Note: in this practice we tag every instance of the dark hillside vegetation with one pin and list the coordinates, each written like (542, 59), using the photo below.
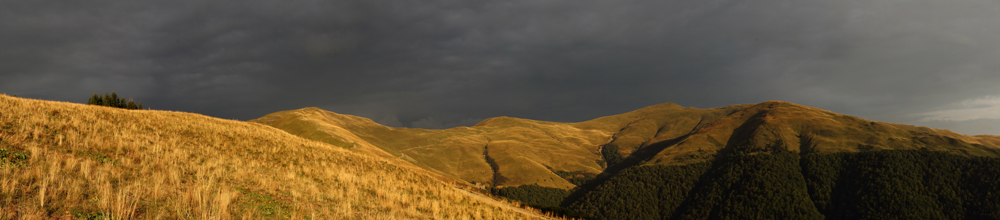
(533, 195)
(891, 184)
(641, 192)
(915, 184)
(113, 100)
(758, 186)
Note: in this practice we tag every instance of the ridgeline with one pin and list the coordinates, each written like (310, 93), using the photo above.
(772, 160)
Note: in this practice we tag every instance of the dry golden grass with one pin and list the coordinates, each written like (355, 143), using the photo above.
(533, 152)
(800, 128)
(362, 134)
(65, 160)
(526, 151)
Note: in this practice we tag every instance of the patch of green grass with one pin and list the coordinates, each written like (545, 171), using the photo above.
(264, 205)
(101, 158)
(13, 158)
(88, 215)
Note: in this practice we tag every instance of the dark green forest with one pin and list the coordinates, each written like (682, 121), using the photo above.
(890, 184)
(903, 185)
(533, 195)
(113, 100)
(641, 192)
(545, 198)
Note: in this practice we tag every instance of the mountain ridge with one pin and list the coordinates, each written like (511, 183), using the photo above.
(766, 160)
(506, 151)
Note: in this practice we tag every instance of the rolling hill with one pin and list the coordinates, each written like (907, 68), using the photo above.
(591, 167)
(66, 160)
(507, 151)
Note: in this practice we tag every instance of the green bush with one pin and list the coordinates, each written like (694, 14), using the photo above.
(611, 155)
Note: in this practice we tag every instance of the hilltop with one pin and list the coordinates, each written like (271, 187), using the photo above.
(767, 160)
(505, 151)
(61, 159)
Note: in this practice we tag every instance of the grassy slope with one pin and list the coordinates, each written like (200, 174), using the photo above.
(525, 151)
(533, 152)
(65, 159)
(800, 128)
(361, 133)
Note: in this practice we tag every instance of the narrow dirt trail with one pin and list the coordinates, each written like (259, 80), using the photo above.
(489, 200)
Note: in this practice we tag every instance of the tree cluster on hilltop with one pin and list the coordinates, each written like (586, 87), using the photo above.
(113, 101)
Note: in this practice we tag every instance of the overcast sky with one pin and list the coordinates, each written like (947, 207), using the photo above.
(438, 64)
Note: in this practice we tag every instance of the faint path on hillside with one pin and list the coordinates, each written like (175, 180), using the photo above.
(489, 200)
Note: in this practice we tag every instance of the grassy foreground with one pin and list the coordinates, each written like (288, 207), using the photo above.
(66, 160)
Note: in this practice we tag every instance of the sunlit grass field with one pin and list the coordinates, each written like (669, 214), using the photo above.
(524, 151)
(66, 160)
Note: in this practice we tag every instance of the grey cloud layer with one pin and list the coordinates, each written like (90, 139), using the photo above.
(447, 63)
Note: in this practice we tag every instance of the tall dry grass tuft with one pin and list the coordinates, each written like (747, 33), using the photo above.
(74, 160)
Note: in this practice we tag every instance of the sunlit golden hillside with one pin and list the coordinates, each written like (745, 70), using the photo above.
(500, 151)
(65, 160)
(508, 151)
(808, 130)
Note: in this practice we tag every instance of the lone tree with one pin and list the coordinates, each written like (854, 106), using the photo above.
(113, 101)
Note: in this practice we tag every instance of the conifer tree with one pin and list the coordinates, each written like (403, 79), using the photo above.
(131, 105)
(114, 101)
(94, 100)
(106, 100)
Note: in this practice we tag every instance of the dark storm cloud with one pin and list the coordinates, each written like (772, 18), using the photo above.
(449, 63)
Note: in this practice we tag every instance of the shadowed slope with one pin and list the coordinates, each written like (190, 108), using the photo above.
(61, 159)
(506, 151)
(746, 164)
